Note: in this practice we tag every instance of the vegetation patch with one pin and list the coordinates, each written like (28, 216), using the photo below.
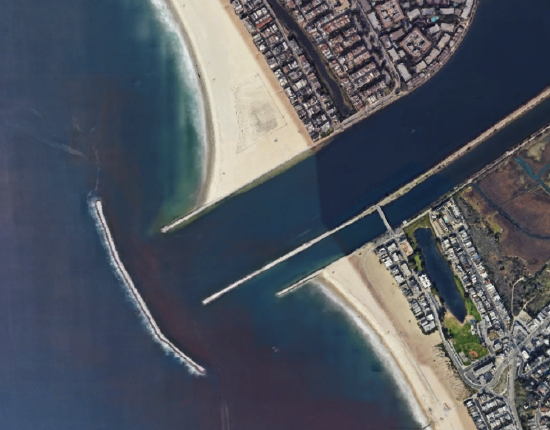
(462, 338)
(422, 222)
(470, 307)
(502, 383)
(523, 404)
(536, 290)
(415, 261)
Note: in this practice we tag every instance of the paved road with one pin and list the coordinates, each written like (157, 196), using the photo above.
(511, 387)
(433, 306)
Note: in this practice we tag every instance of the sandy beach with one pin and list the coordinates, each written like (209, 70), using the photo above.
(370, 291)
(253, 127)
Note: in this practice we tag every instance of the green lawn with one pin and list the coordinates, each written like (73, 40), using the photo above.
(472, 310)
(470, 307)
(418, 262)
(463, 340)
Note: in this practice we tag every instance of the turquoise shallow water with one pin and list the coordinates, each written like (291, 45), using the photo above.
(93, 101)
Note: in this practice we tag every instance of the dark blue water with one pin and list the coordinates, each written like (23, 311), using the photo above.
(445, 180)
(480, 85)
(92, 99)
(439, 272)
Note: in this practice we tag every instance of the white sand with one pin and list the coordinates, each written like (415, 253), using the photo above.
(371, 291)
(254, 127)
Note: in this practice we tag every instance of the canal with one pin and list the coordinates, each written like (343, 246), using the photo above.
(480, 85)
(331, 84)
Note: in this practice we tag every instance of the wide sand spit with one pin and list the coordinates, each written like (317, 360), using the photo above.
(252, 127)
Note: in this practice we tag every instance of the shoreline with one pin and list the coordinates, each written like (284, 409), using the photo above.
(206, 196)
(522, 110)
(209, 149)
(380, 305)
(96, 211)
(334, 294)
(252, 130)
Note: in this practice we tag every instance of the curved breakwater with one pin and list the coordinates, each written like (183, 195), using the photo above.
(96, 210)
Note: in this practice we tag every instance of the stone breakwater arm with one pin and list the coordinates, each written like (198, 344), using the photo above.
(285, 257)
(522, 110)
(298, 284)
(96, 208)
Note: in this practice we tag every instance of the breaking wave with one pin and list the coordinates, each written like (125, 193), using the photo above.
(385, 357)
(96, 210)
(187, 72)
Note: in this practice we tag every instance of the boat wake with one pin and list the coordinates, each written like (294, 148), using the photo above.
(382, 353)
(96, 210)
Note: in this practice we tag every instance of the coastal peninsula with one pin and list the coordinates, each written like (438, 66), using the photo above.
(273, 95)
(251, 126)
(339, 60)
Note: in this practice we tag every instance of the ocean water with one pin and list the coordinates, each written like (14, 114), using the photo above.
(480, 85)
(95, 101)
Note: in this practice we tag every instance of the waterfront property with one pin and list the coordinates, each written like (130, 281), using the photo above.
(440, 273)
(393, 254)
(375, 54)
(291, 66)
(452, 231)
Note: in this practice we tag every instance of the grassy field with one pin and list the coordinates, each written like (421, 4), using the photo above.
(416, 262)
(463, 340)
(470, 307)
(502, 384)
(522, 398)
(495, 226)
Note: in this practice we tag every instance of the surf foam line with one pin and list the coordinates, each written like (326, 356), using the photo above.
(188, 72)
(96, 210)
(381, 352)
(298, 284)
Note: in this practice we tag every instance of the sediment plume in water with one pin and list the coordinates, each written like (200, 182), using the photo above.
(96, 210)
